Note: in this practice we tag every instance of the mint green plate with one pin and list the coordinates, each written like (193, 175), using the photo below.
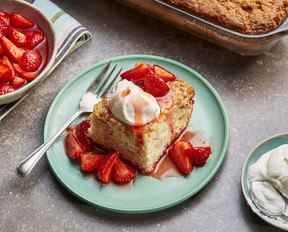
(146, 194)
(256, 153)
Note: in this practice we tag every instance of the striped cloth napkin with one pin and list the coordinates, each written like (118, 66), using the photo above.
(70, 35)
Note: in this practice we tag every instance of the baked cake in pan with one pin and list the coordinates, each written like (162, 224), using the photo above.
(245, 16)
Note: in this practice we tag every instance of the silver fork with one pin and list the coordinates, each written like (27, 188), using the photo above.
(98, 88)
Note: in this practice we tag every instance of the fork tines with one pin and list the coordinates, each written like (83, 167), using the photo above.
(105, 80)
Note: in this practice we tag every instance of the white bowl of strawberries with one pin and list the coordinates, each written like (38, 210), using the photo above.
(27, 48)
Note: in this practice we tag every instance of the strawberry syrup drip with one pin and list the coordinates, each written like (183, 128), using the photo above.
(138, 132)
(138, 105)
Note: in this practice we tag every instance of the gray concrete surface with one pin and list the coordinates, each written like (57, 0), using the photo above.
(253, 89)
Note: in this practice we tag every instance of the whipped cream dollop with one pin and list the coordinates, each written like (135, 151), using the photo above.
(270, 171)
(131, 105)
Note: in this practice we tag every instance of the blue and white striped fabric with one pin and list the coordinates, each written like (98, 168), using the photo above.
(70, 34)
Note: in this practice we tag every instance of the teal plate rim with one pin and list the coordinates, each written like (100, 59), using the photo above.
(177, 201)
(255, 210)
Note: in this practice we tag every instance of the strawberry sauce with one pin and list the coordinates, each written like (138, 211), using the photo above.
(139, 104)
(197, 139)
(165, 168)
(25, 46)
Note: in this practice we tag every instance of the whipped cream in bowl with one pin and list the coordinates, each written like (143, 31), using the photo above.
(268, 178)
(265, 181)
(131, 105)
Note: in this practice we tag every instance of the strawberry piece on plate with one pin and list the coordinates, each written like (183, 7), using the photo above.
(29, 76)
(12, 51)
(162, 73)
(17, 37)
(122, 173)
(138, 73)
(82, 135)
(199, 155)
(5, 88)
(178, 154)
(72, 146)
(33, 38)
(18, 82)
(18, 20)
(30, 61)
(5, 73)
(90, 162)
(106, 167)
(156, 86)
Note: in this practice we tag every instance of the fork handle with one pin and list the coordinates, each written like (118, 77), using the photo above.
(27, 164)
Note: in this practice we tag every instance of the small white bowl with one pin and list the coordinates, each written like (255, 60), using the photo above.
(255, 154)
(33, 13)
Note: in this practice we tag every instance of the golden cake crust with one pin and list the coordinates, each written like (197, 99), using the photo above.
(245, 16)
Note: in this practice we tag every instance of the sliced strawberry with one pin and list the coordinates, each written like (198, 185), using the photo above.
(6, 61)
(72, 146)
(3, 30)
(122, 173)
(33, 38)
(18, 82)
(30, 61)
(178, 154)
(4, 18)
(18, 20)
(17, 37)
(1, 50)
(4, 23)
(82, 135)
(12, 51)
(29, 76)
(162, 73)
(106, 167)
(156, 86)
(90, 162)
(5, 73)
(138, 73)
(5, 88)
(199, 155)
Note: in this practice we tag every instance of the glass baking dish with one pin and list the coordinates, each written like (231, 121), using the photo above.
(248, 45)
